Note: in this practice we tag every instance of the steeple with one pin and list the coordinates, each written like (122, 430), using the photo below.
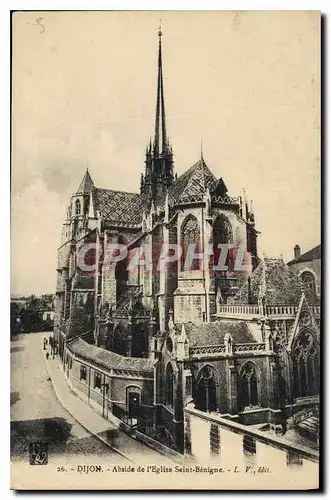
(85, 184)
(159, 160)
(160, 138)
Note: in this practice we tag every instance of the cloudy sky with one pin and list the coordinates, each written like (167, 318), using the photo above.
(84, 91)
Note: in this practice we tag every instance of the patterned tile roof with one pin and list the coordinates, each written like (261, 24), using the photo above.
(278, 282)
(192, 184)
(313, 254)
(119, 207)
(213, 333)
(107, 359)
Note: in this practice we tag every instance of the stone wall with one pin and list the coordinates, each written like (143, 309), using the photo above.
(118, 385)
(211, 439)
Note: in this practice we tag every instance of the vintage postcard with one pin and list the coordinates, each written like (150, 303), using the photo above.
(166, 257)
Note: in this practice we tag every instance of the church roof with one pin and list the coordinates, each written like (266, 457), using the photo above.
(107, 359)
(273, 279)
(313, 254)
(119, 207)
(213, 333)
(86, 184)
(192, 184)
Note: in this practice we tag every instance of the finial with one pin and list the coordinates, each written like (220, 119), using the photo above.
(201, 151)
(160, 30)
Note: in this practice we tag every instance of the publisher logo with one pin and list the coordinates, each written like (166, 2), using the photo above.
(38, 453)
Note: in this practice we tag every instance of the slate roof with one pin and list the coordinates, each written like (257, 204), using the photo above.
(192, 184)
(107, 359)
(86, 184)
(123, 208)
(119, 207)
(281, 285)
(213, 333)
(313, 254)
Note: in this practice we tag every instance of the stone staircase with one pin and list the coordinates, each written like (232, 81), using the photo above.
(306, 422)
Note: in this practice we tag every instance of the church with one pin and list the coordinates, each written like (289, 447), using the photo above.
(163, 346)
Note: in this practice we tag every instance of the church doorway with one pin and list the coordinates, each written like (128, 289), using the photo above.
(133, 404)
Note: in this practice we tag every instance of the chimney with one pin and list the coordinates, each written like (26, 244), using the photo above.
(297, 252)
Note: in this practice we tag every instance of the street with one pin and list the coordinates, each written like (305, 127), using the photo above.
(36, 413)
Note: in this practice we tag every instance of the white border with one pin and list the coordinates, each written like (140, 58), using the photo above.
(323, 5)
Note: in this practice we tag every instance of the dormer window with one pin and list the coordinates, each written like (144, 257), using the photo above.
(78, 207)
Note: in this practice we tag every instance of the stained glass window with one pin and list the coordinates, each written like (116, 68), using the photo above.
(190, 235)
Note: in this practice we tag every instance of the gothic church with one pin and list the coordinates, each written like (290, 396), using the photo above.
(145, 344)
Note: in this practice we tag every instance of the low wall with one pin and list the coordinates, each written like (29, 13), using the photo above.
(214, 438)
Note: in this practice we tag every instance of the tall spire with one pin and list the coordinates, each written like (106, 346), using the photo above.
(159, 157)
(160, 139)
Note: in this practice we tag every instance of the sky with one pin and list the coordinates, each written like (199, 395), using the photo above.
(84, 92)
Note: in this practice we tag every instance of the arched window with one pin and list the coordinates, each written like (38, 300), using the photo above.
(169, 386)
(308, 281)
(133, 400)
(222, 234)
(190, 235)
(169, 344)
(78, 207)
(305, 365)
(248, 390)
(205, 394)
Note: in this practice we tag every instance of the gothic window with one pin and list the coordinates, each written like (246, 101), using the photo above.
(308, 281)
(305, 365)
(82, 372)
(77, 207)
(188, 386)
(205, 394)
(119, 340)
(190, 235)
(222, 234)
(169, 386)
(169, 344)
(248, 389)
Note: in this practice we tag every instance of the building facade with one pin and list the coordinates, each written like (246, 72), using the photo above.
(149, 339)
(308, 266)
